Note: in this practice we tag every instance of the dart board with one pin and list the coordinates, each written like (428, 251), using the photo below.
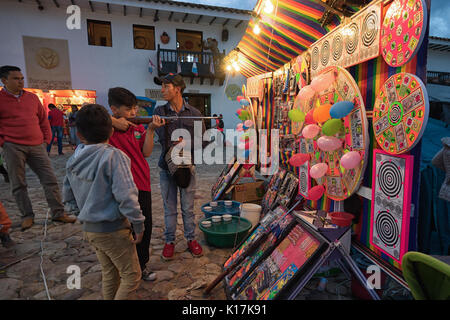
(400, 113)
(391, 203)
(402, 31)
(341, 183)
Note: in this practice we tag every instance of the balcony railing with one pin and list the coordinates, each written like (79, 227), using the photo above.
(209, 66)
(436, 77)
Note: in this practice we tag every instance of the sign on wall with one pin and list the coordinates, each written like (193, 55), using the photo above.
(154, 94)
(47, 63)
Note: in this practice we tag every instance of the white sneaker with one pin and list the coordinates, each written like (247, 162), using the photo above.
(148, 275)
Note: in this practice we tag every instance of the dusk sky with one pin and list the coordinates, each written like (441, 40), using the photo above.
(440, 12)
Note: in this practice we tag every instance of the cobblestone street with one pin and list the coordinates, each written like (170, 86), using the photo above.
(181, 278)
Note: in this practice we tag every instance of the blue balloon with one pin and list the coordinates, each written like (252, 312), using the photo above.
(341, 109)
(244, 102)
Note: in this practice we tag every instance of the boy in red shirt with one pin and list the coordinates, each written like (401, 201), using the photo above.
(137, 143)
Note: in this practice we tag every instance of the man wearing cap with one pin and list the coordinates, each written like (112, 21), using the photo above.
(172, 89)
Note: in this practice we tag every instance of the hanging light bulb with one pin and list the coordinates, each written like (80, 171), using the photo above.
(228, 68)
(268, 7)
(256, 29)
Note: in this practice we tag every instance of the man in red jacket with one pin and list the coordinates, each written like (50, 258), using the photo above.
(56, 118)
(24, 136)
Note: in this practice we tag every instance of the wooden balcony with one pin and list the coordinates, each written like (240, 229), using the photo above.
(177, 61)
(436, 77)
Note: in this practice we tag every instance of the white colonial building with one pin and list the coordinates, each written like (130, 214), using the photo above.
(99, 44)
(438, 77)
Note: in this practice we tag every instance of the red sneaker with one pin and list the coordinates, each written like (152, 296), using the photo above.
(195, 248)
(168, 250)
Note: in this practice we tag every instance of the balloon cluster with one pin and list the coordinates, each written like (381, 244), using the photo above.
(323, 123)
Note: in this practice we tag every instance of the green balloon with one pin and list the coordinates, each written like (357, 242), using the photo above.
(296, 115)
(331, 127)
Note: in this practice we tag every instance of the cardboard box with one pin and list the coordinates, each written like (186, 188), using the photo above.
(248, 192)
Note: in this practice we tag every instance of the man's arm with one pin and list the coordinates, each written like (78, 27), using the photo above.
(125, 191)
(121, 124)
(43, 122)
(147, 148)
(70, 204)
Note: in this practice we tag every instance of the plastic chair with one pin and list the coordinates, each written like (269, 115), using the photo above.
(427, 277)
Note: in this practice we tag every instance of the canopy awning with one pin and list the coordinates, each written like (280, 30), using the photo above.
(289, 30)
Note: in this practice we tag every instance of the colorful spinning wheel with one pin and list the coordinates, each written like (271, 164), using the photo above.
(402, 31)
(400, 113)
(341, 183)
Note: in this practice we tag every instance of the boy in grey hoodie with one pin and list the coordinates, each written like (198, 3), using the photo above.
(99, 189)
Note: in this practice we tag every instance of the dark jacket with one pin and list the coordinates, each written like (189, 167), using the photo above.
(188, 124)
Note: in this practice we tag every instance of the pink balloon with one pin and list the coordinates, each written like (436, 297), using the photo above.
(239, 98)
(350, 160)
(310, 131)
(306, 94)
(239, 127)
(326, 143)
(248, 123)
(322, 81)
(318, 170)
(315, 193)
(298, 159)
(309, 119)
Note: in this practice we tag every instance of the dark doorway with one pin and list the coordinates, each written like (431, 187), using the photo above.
(203, 103)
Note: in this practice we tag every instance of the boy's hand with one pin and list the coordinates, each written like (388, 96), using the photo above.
(157, 122)
(137, 238)
(121, 124)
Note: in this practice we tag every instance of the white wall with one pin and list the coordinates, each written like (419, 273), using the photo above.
(99, 68)
(438, 61)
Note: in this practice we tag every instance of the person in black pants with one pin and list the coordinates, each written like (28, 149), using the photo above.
(137, 143)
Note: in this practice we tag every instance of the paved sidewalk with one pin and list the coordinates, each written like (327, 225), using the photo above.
(181, 278)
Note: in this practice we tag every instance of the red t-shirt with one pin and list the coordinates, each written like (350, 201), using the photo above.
(131, 142)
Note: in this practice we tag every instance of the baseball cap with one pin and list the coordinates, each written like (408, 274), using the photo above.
(174, 78)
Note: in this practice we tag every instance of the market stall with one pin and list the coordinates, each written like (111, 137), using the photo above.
(350, 110)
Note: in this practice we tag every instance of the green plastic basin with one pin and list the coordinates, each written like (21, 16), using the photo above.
(226, 234)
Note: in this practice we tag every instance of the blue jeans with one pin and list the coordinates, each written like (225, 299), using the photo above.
(73, 136)
(169, 193)
(58, 132)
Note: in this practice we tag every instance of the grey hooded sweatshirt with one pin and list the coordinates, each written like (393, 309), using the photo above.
(100, 190)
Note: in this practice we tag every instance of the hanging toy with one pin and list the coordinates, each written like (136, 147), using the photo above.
(244, 102)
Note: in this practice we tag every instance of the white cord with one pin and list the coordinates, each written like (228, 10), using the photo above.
(42, 255)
